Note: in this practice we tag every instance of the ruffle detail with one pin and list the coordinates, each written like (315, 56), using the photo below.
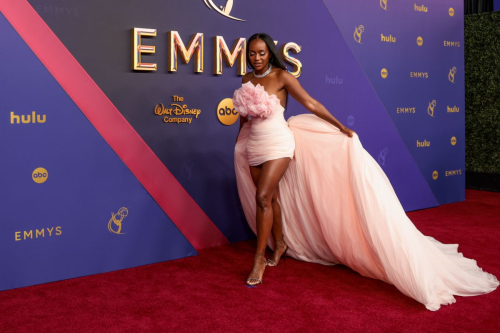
(254, 101)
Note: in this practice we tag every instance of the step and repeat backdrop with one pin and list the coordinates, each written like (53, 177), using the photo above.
(118, 130)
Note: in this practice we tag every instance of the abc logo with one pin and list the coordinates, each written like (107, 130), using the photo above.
(40, 175)
(420, 41)
(384, 73)
(435, 175)
(453, 141)
(451, 11)
(226, 112)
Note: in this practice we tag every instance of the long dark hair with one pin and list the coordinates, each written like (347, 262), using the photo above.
(275, 60)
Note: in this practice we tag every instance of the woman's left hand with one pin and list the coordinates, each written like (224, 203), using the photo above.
(347, 131)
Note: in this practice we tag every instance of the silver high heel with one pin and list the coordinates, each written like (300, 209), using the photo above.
(283, 245)
(251, 281)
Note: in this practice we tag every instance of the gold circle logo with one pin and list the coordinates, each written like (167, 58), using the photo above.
(435, 175)
(420, 41)
(451, 11)
(226, 112)
(40, 175)
(453, 141)
(384, 73)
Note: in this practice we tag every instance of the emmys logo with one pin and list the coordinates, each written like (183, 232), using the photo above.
(37, 233)
(383, 4)
(453, 141)
(450, 43)
(451, 75)
(115, 223)
(430, 108)
(406, 110)
(453, 173)
(419, 75)
(384, 73)
(40, 175)
(451, 12)
(27, 119)
(226, 112)
(223, 10)
(435, 175)
(176, 110)
(357, 33)
(420, 41)
(382, 155)
(388, 39)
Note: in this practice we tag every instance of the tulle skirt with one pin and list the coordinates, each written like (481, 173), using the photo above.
(338, 206)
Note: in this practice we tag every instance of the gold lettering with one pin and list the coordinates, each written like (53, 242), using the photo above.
(58, 231)
(50, 230)
(297, 65)
(195, 47)
(17, 236)
(138, 49)
(221, 51)
(40, 233)
(405, 110)
(28, 234)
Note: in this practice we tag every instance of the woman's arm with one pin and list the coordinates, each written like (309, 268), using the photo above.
(243, 120)
(292, 85)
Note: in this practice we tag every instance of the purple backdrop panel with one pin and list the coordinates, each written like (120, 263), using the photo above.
(200, 154)
(418, 44)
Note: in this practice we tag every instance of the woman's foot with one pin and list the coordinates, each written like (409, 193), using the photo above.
(280, 249)
(259, 265)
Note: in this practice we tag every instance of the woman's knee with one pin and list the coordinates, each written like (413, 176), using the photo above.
(263, 199)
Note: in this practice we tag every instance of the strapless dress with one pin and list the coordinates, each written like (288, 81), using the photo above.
(338, 205)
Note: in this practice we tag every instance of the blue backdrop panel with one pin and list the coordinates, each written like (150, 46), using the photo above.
(58, 229)
(389, 41)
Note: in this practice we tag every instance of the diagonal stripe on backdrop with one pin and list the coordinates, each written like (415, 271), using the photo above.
(194, 224)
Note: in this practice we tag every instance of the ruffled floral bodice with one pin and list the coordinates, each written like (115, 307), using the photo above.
(254, 101)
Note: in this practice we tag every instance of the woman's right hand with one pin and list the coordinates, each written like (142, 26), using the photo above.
(347, 131)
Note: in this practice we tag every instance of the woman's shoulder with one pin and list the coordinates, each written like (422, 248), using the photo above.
(247, 77)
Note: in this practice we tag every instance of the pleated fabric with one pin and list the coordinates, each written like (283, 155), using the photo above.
(338, 206)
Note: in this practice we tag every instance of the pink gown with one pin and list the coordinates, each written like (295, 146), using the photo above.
(338, 205)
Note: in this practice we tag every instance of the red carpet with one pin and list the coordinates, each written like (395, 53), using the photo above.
(207, 293)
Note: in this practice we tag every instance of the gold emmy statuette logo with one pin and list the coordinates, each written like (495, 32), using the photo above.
(384, 73)
(383, 4)
(420, 41)
(435, 175)
(357, 33)
(451, 11)
(226, 112)
(115, 223)
(451, 75)
(40, 175)
(170, 115)
(453, 141)
(430, 108)
(223, 10)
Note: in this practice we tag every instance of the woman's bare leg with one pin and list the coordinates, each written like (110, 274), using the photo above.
(266, 178)
(277, 232)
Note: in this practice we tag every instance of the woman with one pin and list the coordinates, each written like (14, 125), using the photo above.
(334, 204)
